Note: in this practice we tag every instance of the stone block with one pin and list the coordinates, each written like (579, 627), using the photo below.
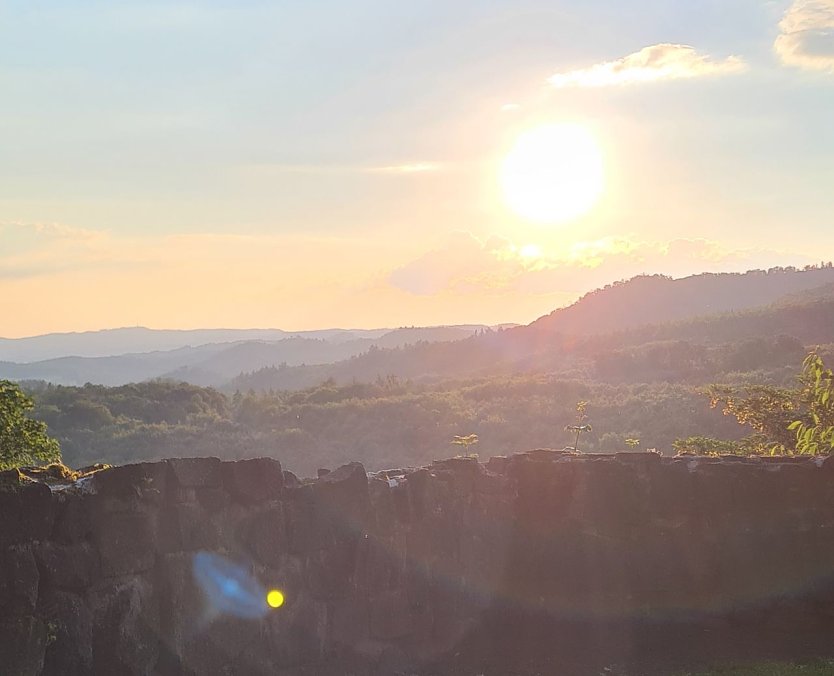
(186, 527)
(144, 481)
(73, 522)
(70, 627)
(22, 645)
(254, 481)
(126, 542)
(264, 537)
(70, 567)
(390, 615)
(27, 508)
(196, 472)
(126, 627)
(19, 581)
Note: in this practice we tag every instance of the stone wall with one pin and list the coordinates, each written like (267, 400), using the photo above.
(540, 563)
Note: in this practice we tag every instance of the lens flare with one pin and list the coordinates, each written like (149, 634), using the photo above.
(229, 588)
(275, 598)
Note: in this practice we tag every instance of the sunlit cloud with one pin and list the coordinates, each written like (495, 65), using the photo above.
(410, 168)
(806, 38)
(466, 265)
(326, 169)
(650, 64)
(510, 107)
(48, 230)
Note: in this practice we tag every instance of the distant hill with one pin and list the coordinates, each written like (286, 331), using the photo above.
(584, 333)
(215, 364)
(136, 340)
(655, 299)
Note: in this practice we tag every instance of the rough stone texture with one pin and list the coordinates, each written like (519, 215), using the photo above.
(253, 481)
(542, 562)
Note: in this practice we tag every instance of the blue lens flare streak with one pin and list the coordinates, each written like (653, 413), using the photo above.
(229, 588)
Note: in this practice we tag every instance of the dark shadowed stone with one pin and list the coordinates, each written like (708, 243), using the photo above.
(350, 623)
(331, 571)
(547, 454)
(126, 542)
(72, 518)
(22, 645)
(382, 503)
(186, 528)
(290, 479)
(322, 471)
(27, 509)
(264, 536)
(253, 481)
(126, 628)
(70, 626)
(144, 481)
(73, 567)
(498, 464)
(639, 459)
(297, 634)
(19, 581)
(462, 465)
(420, 493)
(390, 615)
(196, 472)
(342, 497)
(213, 500)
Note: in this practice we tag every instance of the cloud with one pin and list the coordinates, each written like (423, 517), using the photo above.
(464, 265)
(412, 168)
(656, 62)
(48, 230)
(806, 38)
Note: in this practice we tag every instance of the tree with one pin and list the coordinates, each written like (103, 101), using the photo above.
(466, 441)
(784, 420)
(23, 441)
(815, 432)
(581, 426)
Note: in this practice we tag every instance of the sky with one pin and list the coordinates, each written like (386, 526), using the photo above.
(247, 163)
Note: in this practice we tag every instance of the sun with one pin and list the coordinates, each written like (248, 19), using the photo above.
(553, 174)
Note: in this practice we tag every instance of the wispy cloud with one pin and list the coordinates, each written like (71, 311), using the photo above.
(465, 265)
(409, 168)
(417, 167)
(650, 64)
(49, 230)
(806, 37)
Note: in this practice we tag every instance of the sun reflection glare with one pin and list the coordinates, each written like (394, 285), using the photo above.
(553, 174)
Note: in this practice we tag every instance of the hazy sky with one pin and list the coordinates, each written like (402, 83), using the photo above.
(337, 163)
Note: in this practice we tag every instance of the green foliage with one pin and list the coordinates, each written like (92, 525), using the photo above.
(384, 423)
(23, 441)
(581, 424)
(815, 431)
(700, 445)
(466, 441)
(784, 420)
(818, 668)
(768, 410)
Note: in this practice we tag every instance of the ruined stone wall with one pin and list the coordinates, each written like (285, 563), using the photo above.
(543, 562)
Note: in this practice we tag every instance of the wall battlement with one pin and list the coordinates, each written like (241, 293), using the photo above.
(541, 562)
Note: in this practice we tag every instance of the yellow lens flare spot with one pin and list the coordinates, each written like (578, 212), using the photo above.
(275, 598)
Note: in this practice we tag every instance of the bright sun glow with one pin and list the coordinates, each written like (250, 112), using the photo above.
(553, 174)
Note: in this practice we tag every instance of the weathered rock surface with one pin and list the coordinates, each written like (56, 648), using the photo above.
(542, 562)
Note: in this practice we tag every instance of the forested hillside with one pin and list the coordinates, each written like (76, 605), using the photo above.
(700, 344)
(385, 424)
(515, 388)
